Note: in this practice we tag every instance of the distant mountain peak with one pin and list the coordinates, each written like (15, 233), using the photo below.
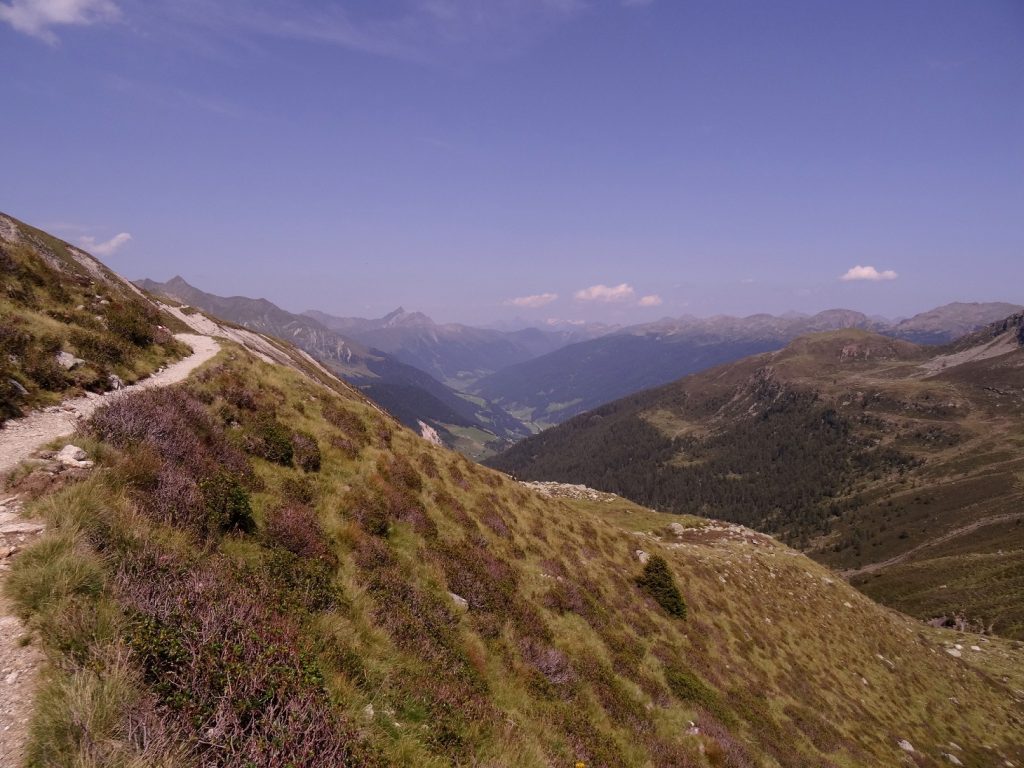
(400, 317)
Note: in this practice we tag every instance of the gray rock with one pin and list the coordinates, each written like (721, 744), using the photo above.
(73, 456)
(460, 602)
(677, 528)
(905, 745)
(12, 529)
(953, 759)
(642, 556)
(17, 387)
(67, 361)
(115, 381)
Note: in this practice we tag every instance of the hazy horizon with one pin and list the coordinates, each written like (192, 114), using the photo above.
(540, 321)
(605, 160)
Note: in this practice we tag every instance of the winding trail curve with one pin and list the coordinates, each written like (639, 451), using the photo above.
(20, 437)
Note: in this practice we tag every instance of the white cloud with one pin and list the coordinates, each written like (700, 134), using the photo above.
(532, 302)
(868, 273)
(620, 292)
(107, 247)
(651, 301)
(37, 17)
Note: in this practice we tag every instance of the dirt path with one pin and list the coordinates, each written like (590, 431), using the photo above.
(955, 533)
(20, 661)
(20, 437)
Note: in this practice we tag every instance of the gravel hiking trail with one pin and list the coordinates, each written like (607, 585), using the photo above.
(20, 437)
(20, 660)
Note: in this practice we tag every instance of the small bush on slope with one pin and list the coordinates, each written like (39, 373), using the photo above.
(658, 582)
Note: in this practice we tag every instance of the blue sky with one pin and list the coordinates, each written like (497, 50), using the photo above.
(601, 159)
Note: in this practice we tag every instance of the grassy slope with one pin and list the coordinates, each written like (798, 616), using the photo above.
(55, 298)
(560, 656)
(856, 459)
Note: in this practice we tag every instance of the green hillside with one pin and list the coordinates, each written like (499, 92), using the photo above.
(896, 464)
(68, 324)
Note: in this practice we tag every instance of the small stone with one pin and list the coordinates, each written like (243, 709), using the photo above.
(905, 745)
(11, 678)
(67, 361)
(369, 712)
(460, 602)
(21, 529)
(115, 381)
(677, 528)
(73, 456)
(975, 647)
(847, 604)
(953, 652)
(642, 556)
(693, 731)
(953, 759)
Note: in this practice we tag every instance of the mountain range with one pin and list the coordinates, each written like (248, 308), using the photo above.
(452, 353)
(552, 388)
(470, 424)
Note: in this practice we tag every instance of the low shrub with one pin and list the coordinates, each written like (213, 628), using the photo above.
(296, 529)
(226, 503)
(306, 452)
(657, 581)
(348, 421)
(269, 439)
(400, 472)
(186, 473)
(232, 671)
(98, 347)
(134, 322)
(298, 490)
